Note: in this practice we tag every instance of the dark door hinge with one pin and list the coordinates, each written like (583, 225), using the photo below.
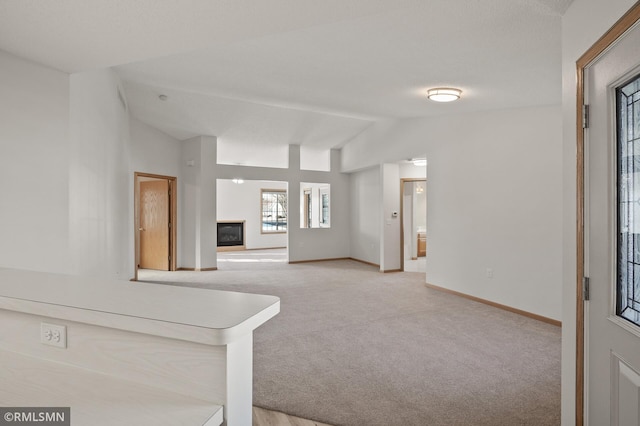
(585, 288)
(585, 116)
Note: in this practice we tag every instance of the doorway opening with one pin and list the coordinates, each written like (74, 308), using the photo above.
(155, 222)
(252, 224)
(413, 224)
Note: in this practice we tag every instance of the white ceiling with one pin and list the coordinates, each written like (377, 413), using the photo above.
(309, 72)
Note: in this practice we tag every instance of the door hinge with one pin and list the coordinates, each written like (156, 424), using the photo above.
(585, 288)
(585, 116)
(169, 224)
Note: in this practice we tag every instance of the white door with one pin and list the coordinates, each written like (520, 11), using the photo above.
(612, 240)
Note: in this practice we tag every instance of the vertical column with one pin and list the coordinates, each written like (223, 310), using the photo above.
(198, 215)
(208, 217)
(293, 201)
(390, 231)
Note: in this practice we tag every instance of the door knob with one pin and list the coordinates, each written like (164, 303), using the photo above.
(140, 229)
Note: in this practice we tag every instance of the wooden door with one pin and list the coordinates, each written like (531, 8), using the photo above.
(154, 224)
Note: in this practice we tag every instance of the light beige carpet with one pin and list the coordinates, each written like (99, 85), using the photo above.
(352, 346)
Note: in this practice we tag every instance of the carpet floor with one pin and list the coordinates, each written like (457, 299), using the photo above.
(355, 347)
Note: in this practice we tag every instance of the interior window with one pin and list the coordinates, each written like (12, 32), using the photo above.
(315, 205)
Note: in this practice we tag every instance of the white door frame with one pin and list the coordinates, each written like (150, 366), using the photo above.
(614, 33)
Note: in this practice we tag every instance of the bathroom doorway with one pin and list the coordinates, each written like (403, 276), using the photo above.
(413, 233)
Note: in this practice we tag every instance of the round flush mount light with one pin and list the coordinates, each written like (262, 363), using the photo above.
(444, 94)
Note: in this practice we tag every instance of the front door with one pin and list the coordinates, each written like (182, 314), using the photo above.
(612, 234)
(154, 224)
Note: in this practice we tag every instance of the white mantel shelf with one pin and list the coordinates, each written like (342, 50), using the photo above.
(198, 315)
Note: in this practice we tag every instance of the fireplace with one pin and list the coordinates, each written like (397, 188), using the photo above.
(231, 234)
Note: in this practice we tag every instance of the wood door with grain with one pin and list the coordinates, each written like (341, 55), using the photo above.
(154, 225)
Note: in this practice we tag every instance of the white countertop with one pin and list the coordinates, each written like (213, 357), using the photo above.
(204, 316)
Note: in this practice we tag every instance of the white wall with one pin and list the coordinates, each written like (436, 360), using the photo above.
(409, 171)
(320, 243)
(375, 234)
(494, 200)
(252, 155)
(242, 202)
(366, 198)
(65, 169)
(391, 226)
(312, 158)
(306, 244)
(155, 152)
(34, 144)
(582, 25)
(100, 183)
(390, 242)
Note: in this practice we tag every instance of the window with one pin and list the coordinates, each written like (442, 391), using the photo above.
(315, 205)
(628, 159)
(324, 215)
(307, 208)
(274, 210)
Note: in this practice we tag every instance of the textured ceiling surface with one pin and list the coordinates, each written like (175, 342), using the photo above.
(297, 71)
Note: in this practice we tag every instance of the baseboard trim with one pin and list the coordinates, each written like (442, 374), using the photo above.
(386, 271)
(365, 262)
(265, 248)
(291, 262)
(198, 269)
(498, 305)
(335, 258)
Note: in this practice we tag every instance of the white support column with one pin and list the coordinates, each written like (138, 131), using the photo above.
(198, 215)
(293, 201)
(239, 405)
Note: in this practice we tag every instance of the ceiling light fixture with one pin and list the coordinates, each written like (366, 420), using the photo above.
(444, 94)
(420, 162)
(238, 181)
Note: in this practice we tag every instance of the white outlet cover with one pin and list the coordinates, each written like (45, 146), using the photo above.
(53, 335)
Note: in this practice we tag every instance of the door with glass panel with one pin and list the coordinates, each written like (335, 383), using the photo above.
(612, 234)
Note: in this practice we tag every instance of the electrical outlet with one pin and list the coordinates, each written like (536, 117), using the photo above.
(489, 273)
(53, 335)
